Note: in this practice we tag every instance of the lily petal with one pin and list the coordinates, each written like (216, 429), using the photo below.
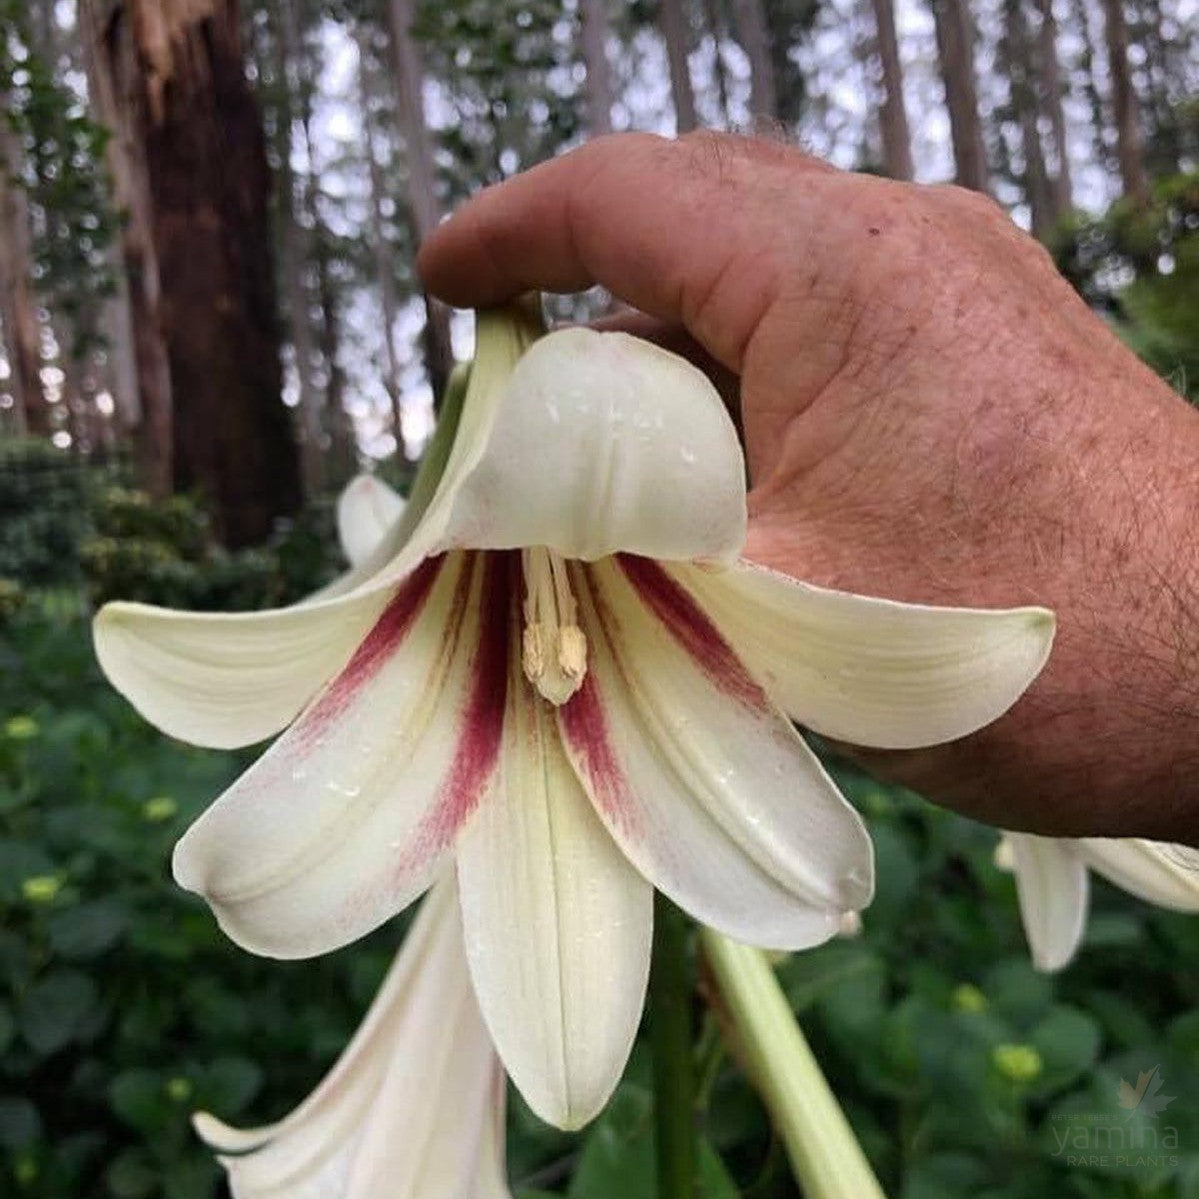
(410, 1109)
(342, 822)
(1053, 890)
(604, 442)
(558, 924)
(1159, 873)
(700, 779)
(366, 510)
(224, 680)
(872, 671)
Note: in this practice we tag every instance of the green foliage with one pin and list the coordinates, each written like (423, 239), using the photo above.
(45, 499)
(63, 523)
(507, 67)
(64, 176)
(1140, 267)
(123, 1009)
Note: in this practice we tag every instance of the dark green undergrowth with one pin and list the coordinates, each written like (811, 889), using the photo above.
(122, 1007)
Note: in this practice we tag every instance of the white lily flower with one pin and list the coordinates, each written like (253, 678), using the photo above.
(557, 671)
(1053, 885)
(366, 510)
(414, 1107)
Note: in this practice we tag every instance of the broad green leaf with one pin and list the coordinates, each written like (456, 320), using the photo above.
(58, 1009)
(132, 1175)
(1068, 1041)
(87, 929)
(138, 1097)
(20, 1124)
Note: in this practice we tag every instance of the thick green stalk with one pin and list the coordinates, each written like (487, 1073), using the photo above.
(670, 992)
(825, 1154)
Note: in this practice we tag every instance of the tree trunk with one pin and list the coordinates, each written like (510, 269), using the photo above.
(676, 33)
(18, 307)
(342, 458)
(893, 115)
(955, 49)
(716, 27)
(296, 254)
(1160, 111)
(594, 30)
(120, 375)
(1051, 90)
(1081, 12)
(752, 33)
(113, 75)
(1024, 105)
(1124, 104)
(384, 265)
(184, 105)
(73, 399)
(423, 202)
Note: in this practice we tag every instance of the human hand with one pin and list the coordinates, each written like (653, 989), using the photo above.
(930, 414)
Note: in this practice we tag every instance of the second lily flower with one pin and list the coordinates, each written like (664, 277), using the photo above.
(557, 671)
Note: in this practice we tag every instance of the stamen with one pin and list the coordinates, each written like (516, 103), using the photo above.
(554, 649)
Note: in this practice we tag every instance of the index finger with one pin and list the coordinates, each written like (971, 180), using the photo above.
(685, 230)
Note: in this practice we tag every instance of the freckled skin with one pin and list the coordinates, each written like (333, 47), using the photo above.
(930, 413)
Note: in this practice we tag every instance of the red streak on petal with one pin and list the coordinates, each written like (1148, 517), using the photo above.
(481, 721)
(690, 626)
(585, 730)
(384, 638)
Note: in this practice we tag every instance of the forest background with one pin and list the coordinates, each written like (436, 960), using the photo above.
(210, 321)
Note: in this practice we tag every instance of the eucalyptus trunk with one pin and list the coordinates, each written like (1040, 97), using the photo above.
(594, 33)
(955, 50)
(423, 202)
(1024, 104)
(1125, 109)
(893, 115)
(18, 305)
(718, 31)
(754, 36)
(110, 59)
(296, 256)
(381, 247)
(1052, 90)
(181, 109)
(676, 33)
(1087, 56)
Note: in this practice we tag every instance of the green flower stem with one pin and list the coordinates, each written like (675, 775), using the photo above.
(826, 1157)
(670, 993)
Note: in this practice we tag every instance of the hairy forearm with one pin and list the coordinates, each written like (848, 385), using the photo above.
(1107, 740)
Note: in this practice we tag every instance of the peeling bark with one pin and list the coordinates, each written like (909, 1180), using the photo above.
(171, 83)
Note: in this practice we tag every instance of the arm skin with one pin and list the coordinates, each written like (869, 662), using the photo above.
(930, 414)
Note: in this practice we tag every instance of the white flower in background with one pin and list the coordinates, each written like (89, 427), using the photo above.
(414, 1107)
(1053, 886)
(366, 510)
(556, 672)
